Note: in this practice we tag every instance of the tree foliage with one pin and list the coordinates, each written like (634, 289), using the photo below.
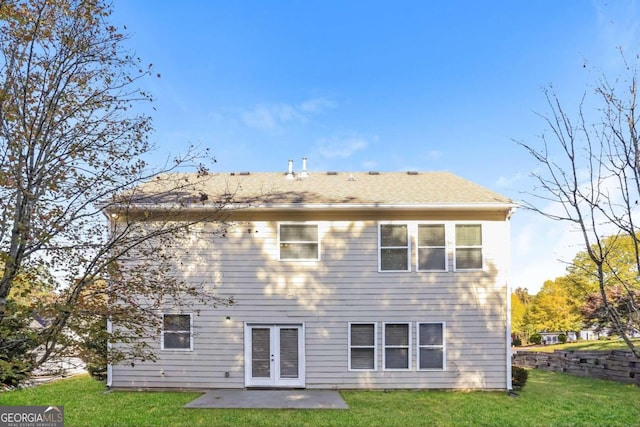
(622, 288)
(520, 302)
(553, 309)
(72, 145)
(589, 176)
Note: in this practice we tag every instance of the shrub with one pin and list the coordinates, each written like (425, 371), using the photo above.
(519, 377)
(562, 338)
(535, 339)
(517, 342)
(93, 348)
(17, 346)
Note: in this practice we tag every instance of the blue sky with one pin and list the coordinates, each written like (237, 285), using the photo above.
(386, 86)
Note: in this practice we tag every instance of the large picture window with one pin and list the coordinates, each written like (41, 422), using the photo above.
(468, 247)
(432, 247)
(177, 332)
(431, 349)
(299, 242)
(362, 346)
(397, 343)
(394, 247)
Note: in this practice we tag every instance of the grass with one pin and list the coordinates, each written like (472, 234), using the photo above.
(585, 346)
(548, 399)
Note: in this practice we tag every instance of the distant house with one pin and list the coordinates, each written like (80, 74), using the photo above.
(589, 335)
(549, 338)
(358, 280)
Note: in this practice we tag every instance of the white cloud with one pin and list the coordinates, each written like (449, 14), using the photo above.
(507, 182)
(341, 146)
(271, 117)
(316, 105)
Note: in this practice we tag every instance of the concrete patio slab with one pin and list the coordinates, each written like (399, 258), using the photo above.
(270, 399)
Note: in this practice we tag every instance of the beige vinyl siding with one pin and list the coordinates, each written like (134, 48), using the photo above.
(343, 286)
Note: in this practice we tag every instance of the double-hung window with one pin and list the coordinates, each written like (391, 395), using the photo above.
(432, 247)
(468, 247)
(397, 343)
(177, 332)
(431, 349)
(394, 247)
(362, 346)
(299, 242)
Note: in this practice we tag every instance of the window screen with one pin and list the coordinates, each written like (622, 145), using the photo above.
(299, 241)
(430, 346)
(396, 345)
(176, 331)
(362, 350)
(394, 247)
(431, 247)
(468, 246)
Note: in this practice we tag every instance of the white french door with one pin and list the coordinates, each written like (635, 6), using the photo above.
(274, 355)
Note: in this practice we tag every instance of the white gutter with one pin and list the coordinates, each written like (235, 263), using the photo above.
(317, 206)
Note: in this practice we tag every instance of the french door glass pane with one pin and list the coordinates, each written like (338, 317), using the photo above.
(260, 352)
(288, 352)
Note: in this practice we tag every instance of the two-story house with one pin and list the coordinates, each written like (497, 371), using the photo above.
(343, 280)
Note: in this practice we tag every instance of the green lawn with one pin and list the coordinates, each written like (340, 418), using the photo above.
(548, 399)
(613, 344)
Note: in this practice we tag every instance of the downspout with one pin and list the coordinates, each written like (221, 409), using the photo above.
(109, 366)
(508, 302)
(111, 219)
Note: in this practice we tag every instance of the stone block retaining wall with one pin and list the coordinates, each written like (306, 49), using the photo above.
(616, 365)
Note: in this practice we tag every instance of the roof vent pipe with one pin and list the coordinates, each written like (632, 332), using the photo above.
(290, 173)
(304, 172)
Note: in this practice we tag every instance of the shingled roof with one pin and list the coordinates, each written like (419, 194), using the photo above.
(345, 188)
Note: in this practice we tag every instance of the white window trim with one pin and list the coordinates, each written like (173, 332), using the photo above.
(299, 259)
(455, 246)
(375, 346)
(190, 332)
(445, 247)
(384, 347)
(408, 247)
(443, 346)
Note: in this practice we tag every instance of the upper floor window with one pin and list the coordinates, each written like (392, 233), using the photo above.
(394, 247)
(432, 247)
(468, 247)
(177, 332)
(299, 242)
